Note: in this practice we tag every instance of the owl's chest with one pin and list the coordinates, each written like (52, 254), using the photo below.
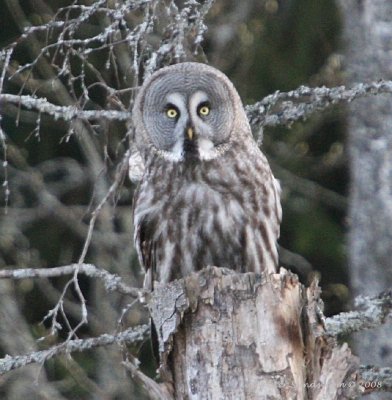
(181, 205)
(197, 202)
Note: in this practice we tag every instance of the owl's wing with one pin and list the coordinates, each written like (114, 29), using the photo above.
(146, 252)
(145, 247)
(277, 189)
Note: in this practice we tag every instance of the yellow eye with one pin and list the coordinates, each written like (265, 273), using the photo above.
(171, 112)
(204, 111)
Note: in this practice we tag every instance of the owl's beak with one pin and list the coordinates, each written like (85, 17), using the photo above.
(190, 133)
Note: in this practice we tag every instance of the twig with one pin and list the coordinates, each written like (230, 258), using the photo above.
(112, 282)
(120, 173)
(155, 390)
(131, 335)
(374, 312)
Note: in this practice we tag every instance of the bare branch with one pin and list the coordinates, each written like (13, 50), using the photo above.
(284, 108)
(310, 189)
(67, 113)
(112, 282)
(5, 57)
(280, 108)
(374, 312)
(129, 336)
(375, 379)
(187, 21)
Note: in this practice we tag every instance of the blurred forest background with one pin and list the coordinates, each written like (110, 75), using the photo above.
(59, 170)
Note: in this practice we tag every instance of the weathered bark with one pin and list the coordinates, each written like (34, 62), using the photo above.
(224, 335)
(368, 46)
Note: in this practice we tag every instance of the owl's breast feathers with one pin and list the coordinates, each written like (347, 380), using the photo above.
(224, 212)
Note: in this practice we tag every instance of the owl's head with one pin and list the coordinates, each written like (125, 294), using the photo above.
(188, 110)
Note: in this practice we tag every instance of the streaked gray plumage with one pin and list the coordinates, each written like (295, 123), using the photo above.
(207, 195)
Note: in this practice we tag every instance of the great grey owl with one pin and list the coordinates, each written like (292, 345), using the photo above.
(207, 195)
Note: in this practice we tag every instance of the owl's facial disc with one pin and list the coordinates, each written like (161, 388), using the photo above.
(188, 116)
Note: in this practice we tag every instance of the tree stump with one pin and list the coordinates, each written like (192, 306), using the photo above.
(224, 335)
